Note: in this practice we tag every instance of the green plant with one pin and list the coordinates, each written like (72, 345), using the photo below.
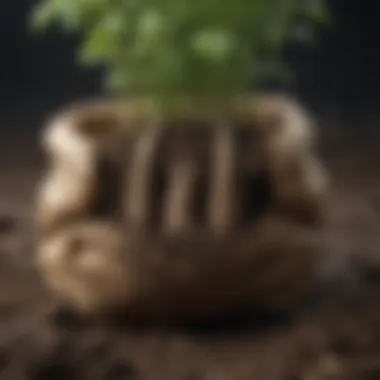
(204, 51)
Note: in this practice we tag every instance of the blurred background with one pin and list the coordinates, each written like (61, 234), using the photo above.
(338, 76)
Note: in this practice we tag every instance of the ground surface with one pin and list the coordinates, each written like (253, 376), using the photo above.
(337, 338)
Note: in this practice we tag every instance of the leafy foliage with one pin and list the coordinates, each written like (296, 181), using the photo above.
(201, 50)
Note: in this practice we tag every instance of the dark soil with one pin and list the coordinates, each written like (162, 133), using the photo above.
(335, 336)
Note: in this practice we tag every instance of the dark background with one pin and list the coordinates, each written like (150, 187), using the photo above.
(339, 76)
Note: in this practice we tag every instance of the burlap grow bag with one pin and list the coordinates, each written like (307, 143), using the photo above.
(184, 217)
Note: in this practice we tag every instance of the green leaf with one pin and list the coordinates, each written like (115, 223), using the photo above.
(150, 24)
(317, 11)
(101, 43)
(213, 44)
(43, 15)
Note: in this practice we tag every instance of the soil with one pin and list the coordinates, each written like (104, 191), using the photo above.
(334, 336)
